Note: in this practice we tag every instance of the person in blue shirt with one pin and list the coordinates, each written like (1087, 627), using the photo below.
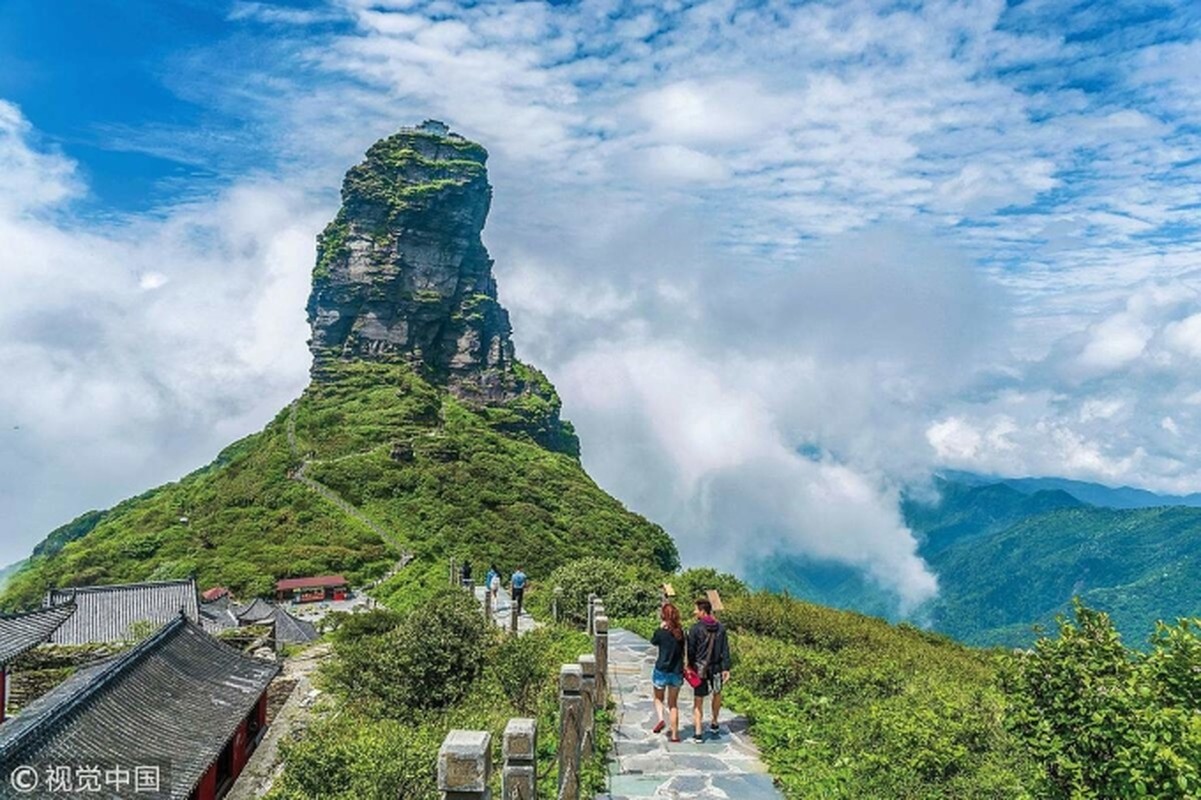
(488, 579)
(517, 585)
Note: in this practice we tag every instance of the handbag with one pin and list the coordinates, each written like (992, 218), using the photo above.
(690, 675)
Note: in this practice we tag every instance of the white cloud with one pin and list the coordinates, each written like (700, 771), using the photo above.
(29, 180)
(724, 111)
(954, 440)
(133, 353)
(1184, 336)
(677, 163)
(1114, 342)
(903, 236)
(706, 456)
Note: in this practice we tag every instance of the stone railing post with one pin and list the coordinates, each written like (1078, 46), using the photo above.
(512, 615)
(587, 664)
(601, 651)
(591, 612)
(554, 604)
(570, 718)
(519, 778)
(487, 604)
(453, 582)
(465, 766)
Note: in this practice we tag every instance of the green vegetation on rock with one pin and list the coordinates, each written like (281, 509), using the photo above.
(427, 468)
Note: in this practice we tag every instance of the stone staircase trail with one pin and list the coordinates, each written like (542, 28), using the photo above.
(500, 613)
(338, 500)
(645, 765)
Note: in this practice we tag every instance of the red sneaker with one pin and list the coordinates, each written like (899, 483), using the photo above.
(658, 727)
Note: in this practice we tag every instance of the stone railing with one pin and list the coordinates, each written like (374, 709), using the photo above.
(465, 759)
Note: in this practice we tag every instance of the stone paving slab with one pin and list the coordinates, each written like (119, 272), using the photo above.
(500, 614)
(646, 766)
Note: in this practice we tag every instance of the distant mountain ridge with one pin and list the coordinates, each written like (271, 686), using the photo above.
(1008, 557)
(1094, 494)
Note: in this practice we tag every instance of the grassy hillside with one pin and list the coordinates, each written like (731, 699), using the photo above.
(848, 706)
(436, 475)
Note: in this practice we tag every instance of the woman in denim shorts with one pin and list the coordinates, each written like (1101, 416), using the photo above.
(668, 674)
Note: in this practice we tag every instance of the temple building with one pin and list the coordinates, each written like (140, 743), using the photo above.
(179, 708)
(20, 633)
(308, 590)
(122, 612)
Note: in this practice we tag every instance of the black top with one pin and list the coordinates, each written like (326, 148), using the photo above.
(671, 652)
(698, 647)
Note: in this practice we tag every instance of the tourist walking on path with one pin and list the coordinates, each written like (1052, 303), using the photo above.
(668, 674)
(709, 655)
(465, 572)
(493, 583)
(517, 587)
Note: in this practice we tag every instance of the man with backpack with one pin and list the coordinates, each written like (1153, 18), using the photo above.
(709, 655)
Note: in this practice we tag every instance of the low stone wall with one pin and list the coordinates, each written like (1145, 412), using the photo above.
(46, 666)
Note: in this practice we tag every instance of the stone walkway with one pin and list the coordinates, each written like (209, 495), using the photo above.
(646, 765)
(266, 763)
(500, 614)
(300, 474)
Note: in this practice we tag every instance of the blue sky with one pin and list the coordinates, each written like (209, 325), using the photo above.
(901, 235)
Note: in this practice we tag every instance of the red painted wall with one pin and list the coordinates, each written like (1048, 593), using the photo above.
(207, 788)
(240, 756)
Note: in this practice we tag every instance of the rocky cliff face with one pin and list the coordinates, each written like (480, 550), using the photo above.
(403, 275)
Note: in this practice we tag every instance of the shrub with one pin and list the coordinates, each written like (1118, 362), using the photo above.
(427, 661)
(692, 583)
(583, 577)
(519, 667)
(348, 627)
(354, 758)
(1107, 722)
(633, 599)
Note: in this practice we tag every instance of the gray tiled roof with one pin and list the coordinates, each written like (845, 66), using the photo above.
(218, 615)
(258, 611)
(108, 613)
(22, 632)
(290, 630)
(173, 700)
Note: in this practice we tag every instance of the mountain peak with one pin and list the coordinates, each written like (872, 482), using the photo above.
(402, 275)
